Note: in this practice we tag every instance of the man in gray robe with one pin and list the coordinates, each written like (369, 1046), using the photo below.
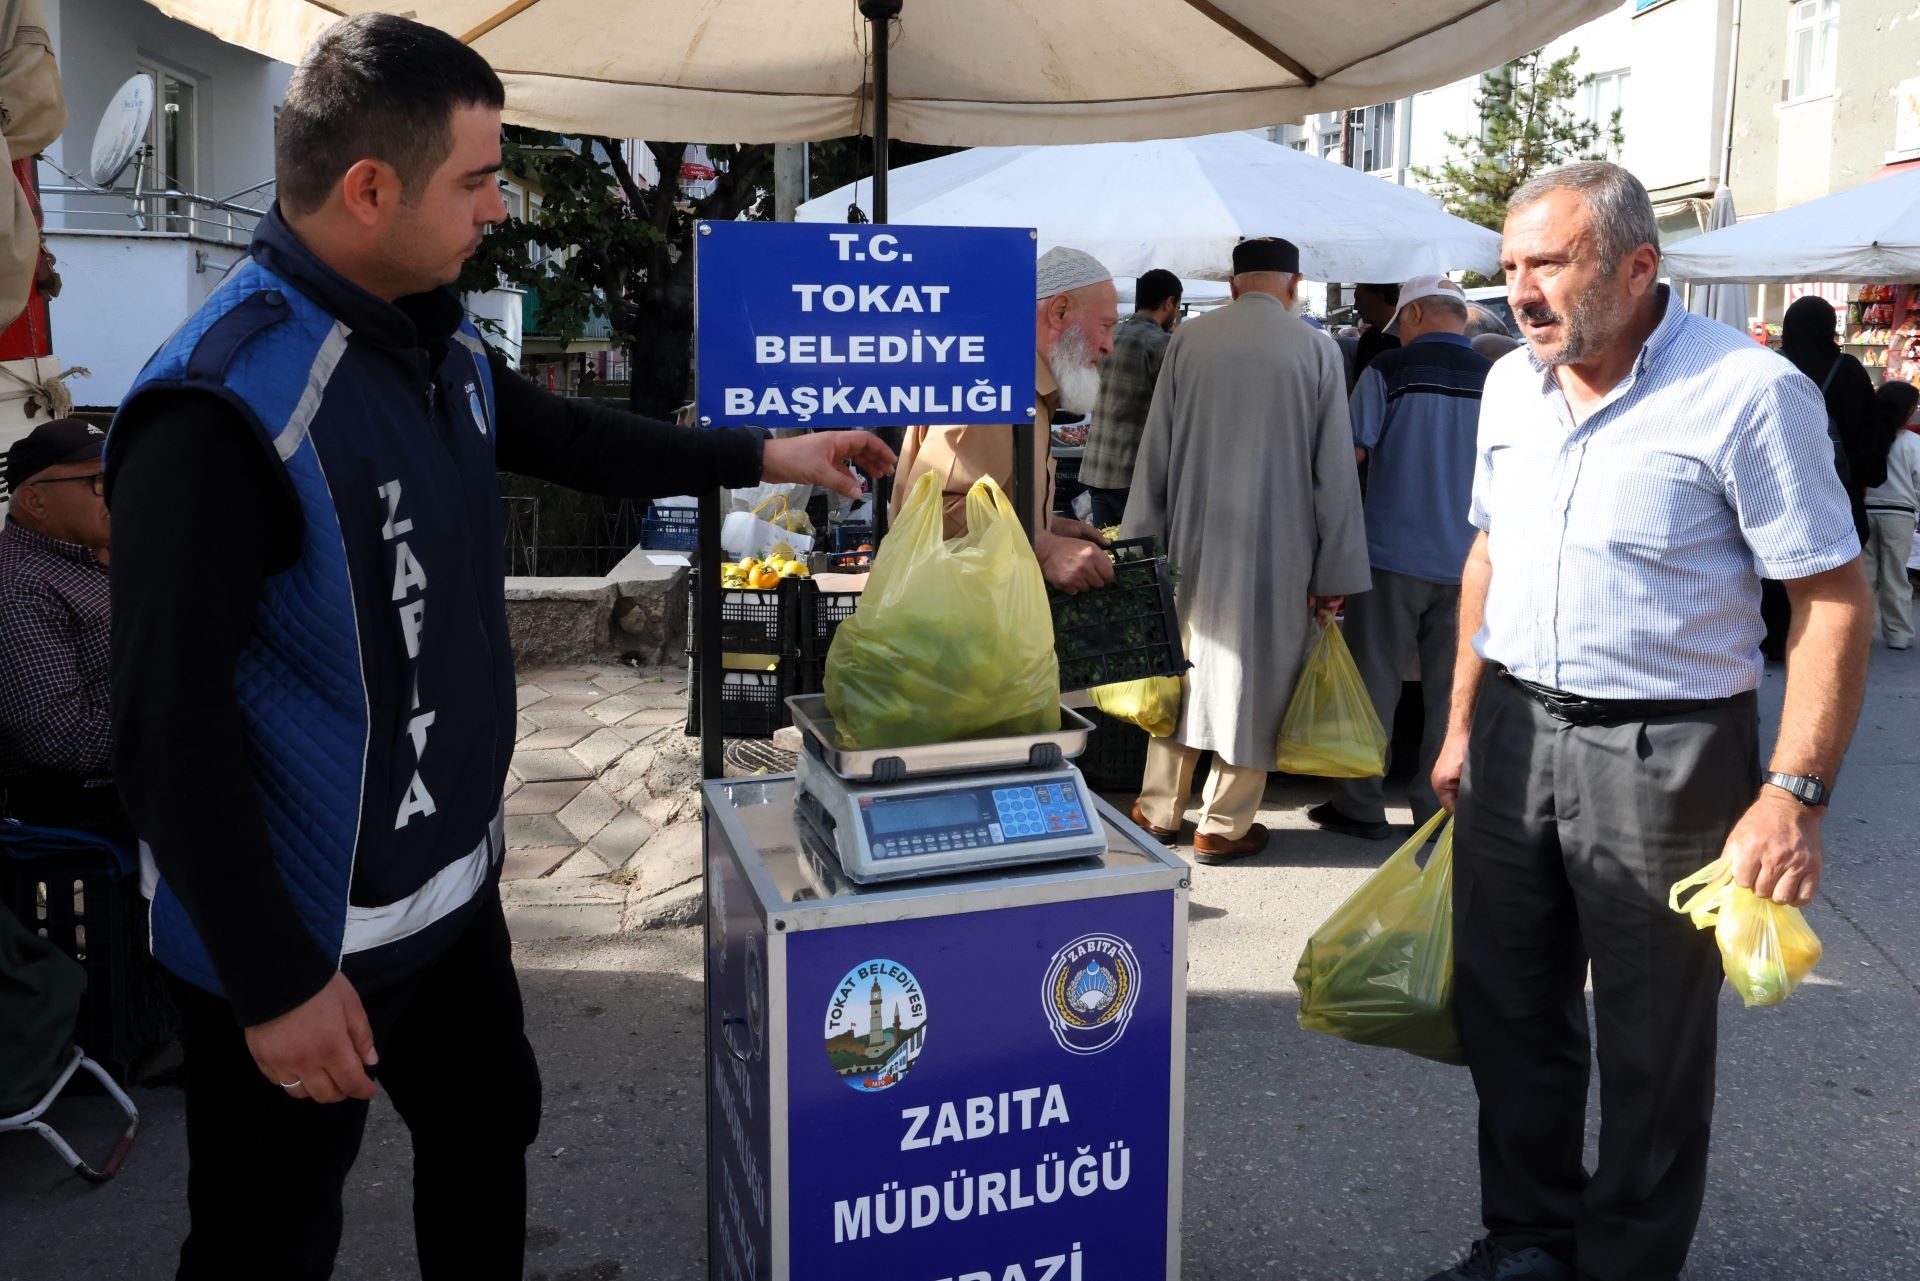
(1246, 474)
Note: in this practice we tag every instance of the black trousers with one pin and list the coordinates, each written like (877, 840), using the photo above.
(265, 1170)
(1566, 841)
(1109, 505)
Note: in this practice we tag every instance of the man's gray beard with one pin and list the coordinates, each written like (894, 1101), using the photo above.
(1071, 362)
(1591, 326)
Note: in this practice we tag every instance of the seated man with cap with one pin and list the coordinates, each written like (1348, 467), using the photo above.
(56, 734)
(1074, 318)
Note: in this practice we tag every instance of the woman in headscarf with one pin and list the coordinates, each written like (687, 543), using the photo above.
(1808, 338)
(1891, 512)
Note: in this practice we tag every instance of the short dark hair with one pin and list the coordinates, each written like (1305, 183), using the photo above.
(1388, 294)
(375, 87)
(1154, 288)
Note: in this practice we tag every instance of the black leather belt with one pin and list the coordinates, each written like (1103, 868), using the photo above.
(1575, 710)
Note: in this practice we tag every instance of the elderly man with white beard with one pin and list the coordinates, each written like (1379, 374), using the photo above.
(1074, 318)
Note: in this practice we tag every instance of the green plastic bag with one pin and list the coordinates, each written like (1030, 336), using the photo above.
(1330, 729)
(1766, 948)
(1380, 970)
(951, 640)
(1152, 703)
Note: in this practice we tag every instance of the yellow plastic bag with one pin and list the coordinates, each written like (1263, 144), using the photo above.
(1152, 703)
(1380, 970)
(1766, 948)
(951, 640)
(1330, 729)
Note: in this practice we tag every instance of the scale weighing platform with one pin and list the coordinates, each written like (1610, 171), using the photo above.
(944, 808)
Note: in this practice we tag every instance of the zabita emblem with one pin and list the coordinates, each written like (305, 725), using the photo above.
(478, 410)
(1091, 987)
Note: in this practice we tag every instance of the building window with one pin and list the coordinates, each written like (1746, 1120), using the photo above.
(1375, 135)
(1606, 95)
(1813, 46)
(171, 136)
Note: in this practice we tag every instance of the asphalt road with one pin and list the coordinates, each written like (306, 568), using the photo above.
(1306, 1158)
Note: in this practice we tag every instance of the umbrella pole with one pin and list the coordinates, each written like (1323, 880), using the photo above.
(880, 13)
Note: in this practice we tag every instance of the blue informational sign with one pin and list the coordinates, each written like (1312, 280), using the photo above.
(855, 325)
(983, 1095)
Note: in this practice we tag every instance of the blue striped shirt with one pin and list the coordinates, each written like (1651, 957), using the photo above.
(1628, 549)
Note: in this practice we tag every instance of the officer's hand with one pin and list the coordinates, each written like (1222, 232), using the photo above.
(821, 458)
(1447, 768)
(320, 1049)
(1775, 849)
(1073, 565)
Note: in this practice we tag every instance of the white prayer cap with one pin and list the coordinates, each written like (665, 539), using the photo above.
(1062, 269)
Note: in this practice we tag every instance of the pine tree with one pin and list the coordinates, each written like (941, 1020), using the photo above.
(1528, 125)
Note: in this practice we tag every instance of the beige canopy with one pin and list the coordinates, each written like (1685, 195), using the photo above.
(964, 72)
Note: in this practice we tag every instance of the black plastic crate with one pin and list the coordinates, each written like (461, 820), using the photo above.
(672, 529)
(81, 903)
(853, 562)
(1116, 755)
(752, 621)
(1124, 631)
(752, 704)
(851, 534)
(818, 616)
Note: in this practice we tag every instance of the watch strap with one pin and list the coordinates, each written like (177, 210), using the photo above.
(1805, 788)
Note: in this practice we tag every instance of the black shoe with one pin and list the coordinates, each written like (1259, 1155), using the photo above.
(1489, 1261)
(1327, 817)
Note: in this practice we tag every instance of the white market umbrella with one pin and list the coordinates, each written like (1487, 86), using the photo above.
(1182, 204)
(963, 72)
(1726, 303)
(1864, 235)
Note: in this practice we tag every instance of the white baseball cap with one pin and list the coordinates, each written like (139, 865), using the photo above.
(1424, 287)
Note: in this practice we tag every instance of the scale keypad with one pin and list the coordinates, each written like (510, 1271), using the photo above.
(1044, 810)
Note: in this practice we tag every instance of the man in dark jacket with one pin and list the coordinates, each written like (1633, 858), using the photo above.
(312, 684)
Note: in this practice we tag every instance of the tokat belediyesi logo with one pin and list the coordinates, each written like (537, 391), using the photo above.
(876, 1025)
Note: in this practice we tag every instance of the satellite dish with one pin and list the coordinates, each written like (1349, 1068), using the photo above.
(122, 131)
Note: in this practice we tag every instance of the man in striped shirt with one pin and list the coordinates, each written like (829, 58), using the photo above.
(1640, 470)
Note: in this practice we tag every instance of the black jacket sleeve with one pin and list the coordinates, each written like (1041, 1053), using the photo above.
(1850, 400)
(610, 451)
(200, 519)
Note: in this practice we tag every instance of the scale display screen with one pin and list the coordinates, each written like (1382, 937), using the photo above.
(944, 810)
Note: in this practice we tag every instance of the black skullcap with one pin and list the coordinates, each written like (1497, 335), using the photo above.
(1266, 253)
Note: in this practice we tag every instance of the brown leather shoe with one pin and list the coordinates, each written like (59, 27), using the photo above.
(1165, 835)
(1214, 850)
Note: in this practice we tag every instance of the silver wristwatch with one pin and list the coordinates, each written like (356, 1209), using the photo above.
(1805, 788)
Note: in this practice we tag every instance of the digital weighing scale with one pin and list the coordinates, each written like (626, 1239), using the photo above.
(944, 808)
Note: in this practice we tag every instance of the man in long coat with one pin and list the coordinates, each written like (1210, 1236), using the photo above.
(1246, 473)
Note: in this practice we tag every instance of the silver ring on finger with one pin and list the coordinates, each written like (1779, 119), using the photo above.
(290, 1085)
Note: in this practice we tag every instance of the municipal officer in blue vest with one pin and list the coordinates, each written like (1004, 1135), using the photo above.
(313, 689)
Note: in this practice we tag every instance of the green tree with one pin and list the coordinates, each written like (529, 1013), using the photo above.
(627, 250)
(1528, 125)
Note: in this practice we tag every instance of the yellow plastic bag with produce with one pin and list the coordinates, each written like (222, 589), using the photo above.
(1380, 970)
(951, 640)
(1330, 729)
(1153, 703)
(1766, 948)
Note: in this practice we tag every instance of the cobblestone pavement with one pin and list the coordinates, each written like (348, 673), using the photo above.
(603, 805)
